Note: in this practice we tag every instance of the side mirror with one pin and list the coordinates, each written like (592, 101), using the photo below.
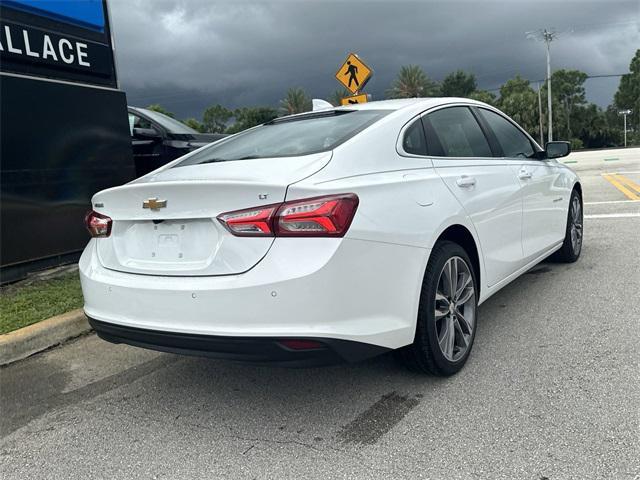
(557, 149)
(146, 133)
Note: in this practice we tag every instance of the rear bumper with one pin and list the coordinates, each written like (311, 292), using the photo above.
(244, 349)
(320, 288)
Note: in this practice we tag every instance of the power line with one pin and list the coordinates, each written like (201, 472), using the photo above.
(610, 75)
(496, 89)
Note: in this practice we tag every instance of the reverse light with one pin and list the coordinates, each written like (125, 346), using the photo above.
(326, 216)
(252, 222)
(99, 225)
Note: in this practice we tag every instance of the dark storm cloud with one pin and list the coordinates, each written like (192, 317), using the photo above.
(189, 54)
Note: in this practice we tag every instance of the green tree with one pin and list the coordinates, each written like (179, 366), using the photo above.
(156, 107)
(520, 102)
(458, 84)
(337, 95)
(215, 118)
(567, 88)
(628, 97)
(514, 86)
(483, 96)
(295, 101)
(412, 82)
(195, 124)
(592, 127)
(248, 117)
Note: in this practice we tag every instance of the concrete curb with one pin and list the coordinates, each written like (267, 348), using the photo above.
(42, 335)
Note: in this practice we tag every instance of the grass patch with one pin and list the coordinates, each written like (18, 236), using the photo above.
(25, 304)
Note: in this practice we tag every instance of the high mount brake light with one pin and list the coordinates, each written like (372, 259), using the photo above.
(326, 216)
(99, 225)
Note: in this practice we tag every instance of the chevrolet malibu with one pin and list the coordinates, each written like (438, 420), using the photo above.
(329, 236)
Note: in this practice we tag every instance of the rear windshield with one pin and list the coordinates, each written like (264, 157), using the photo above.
(171, 124)
(289, 136)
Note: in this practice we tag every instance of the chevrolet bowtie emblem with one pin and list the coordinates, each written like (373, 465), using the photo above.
(154, 203)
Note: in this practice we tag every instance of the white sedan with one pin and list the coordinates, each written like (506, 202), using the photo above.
(330, 236)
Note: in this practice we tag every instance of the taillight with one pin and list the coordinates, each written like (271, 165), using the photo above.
(98, 225)
(328, 216)
(320, 217)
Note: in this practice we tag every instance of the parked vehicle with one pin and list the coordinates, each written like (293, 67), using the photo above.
(332, 235)
(157, 139)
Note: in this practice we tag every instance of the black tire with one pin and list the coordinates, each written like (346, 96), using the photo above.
(424, 354)
(570, 250)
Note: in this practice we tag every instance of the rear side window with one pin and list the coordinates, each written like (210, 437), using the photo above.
(457, 132)
(289, 136)
(414, 140)
(514, 143)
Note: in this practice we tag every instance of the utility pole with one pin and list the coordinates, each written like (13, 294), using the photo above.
(624, 114)
(540, 114)
(547, 36)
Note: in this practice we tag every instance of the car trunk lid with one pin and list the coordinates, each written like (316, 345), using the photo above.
(165, 224)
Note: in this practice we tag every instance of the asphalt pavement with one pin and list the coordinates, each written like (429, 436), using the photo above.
(551, 390)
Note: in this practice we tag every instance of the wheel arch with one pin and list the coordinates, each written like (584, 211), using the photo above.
(462, 236)
(578, 186)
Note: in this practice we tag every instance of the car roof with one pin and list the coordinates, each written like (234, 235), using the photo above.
(137, 109)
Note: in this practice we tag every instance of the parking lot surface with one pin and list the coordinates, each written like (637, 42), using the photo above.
(551, 390)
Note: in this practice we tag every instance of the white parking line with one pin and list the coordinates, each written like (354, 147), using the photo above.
(613, 215)
(611, 201)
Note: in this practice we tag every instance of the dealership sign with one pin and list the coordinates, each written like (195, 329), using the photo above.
(63, 42)
(49, 48)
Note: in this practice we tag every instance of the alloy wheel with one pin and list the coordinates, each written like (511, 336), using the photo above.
(576, 225)
(455, 309)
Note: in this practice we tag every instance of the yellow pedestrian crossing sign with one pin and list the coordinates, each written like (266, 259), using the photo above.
(355, 99)
(354, 73)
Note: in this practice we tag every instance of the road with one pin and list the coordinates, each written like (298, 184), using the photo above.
(551, 390)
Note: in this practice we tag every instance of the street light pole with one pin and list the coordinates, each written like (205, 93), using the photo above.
(548, 38)
(624, 114)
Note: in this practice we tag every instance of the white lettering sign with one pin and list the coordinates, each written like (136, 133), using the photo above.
(21, 41)
(27, 47)
(47, 49)
(65, 43)
(7, 32)
(82, 54)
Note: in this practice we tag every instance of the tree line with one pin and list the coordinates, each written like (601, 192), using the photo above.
(575, 119)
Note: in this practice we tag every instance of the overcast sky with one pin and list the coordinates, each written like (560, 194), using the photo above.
(188, 54)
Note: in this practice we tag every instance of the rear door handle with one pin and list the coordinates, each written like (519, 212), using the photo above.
(524, 175)
(465, 181)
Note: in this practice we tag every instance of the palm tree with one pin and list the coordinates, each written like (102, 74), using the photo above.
(337, 95)
(412, 82)
(296, 101)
